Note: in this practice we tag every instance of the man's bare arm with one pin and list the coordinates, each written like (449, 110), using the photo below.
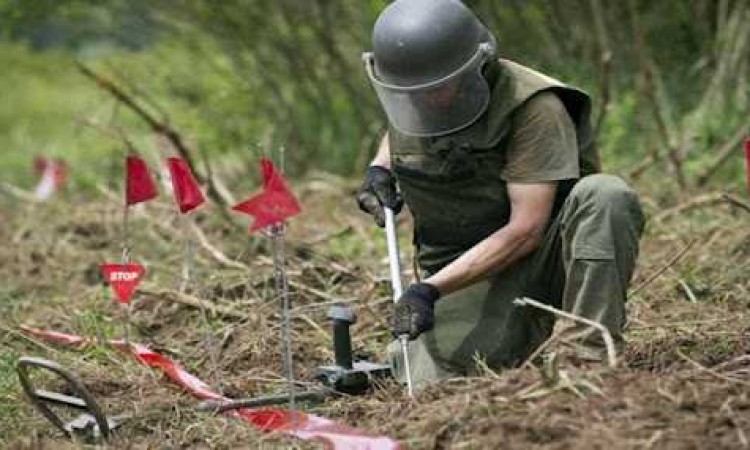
(531, 208)
(383, 157)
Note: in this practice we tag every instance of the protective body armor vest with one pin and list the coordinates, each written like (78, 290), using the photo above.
(452, 184)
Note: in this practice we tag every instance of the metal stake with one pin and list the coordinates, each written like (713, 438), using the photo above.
(126, 260)
(395, 268)
(188, 264)
(187, 255)
(282, 290)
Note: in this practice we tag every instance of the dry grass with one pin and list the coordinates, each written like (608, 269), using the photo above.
(684, 381)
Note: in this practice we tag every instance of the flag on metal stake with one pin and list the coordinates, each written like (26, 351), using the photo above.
(139, 184)
(274, 204)
(187, 193)
(188, 196)
(139, 188)
(270, 208)
(53, 174)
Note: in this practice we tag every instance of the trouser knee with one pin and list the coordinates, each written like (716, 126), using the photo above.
(604, 189)
(608, 192)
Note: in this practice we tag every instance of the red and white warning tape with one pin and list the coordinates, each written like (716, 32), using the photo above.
(305, 426)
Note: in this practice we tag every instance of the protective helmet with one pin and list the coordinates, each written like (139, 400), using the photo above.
(426, 65)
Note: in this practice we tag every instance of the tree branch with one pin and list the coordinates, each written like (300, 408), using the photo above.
(158, 127)
(724, 153)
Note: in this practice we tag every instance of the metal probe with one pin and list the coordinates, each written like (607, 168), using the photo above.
(395, 267)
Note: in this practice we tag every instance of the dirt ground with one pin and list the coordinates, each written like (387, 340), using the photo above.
(684, 381)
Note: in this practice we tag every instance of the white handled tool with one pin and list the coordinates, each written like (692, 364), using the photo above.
(394, 261)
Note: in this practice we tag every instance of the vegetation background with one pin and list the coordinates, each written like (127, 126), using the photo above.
(670, 79)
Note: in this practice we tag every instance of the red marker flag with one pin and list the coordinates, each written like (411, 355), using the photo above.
(124, 279)
(139, 184)
(56, 166)
(53, 175)
(274, 204)
(747, 162)
(40, 163)
(187, 193)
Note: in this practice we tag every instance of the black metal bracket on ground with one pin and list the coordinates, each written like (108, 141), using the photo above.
(346, 377)
(91, 425)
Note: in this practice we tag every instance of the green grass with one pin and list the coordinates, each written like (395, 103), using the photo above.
(10, 405)
(8, 384)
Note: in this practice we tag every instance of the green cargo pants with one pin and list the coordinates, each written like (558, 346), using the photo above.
(583, 266)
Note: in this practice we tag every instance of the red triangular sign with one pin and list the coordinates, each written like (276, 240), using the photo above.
(274, 204)
(139, 184)
(187, 193)
(124, 279)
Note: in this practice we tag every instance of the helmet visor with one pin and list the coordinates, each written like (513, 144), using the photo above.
(439, 107)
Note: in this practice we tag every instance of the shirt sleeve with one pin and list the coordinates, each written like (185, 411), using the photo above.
(543, 144)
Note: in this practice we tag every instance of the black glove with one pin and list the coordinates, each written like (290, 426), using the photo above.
(378, 190)
(415, 311)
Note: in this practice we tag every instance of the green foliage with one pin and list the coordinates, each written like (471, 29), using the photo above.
(252, 76)
(42, 98)
(77, 24)
(8, 384)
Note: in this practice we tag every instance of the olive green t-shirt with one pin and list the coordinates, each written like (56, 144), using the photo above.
(543, 144)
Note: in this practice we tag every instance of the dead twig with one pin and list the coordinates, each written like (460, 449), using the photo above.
(702, 368)
(648, 162)
(28, 338)
(19, 193)
(605, 64)
(189, 300)
(685, 288)
(736, 202)
(724, 153)
(669, 264)
(319, 293)
(215, 253)
(609, 343)
(113, 131)
(650, 90)
(343, 231)
(694, 203)
(161, 128)
(701, 201)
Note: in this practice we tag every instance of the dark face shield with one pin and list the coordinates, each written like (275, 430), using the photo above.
(439, 107)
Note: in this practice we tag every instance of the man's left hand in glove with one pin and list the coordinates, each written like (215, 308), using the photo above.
(415, 311)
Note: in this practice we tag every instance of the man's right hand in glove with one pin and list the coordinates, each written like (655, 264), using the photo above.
(378, 190)
(415, 311)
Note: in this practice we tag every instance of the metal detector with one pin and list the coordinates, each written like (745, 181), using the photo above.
(91, 425)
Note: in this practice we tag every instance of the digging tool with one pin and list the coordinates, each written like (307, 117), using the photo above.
(394, 261)
(91, 425)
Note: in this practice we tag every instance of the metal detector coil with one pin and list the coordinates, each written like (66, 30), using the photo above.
(92, 424)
